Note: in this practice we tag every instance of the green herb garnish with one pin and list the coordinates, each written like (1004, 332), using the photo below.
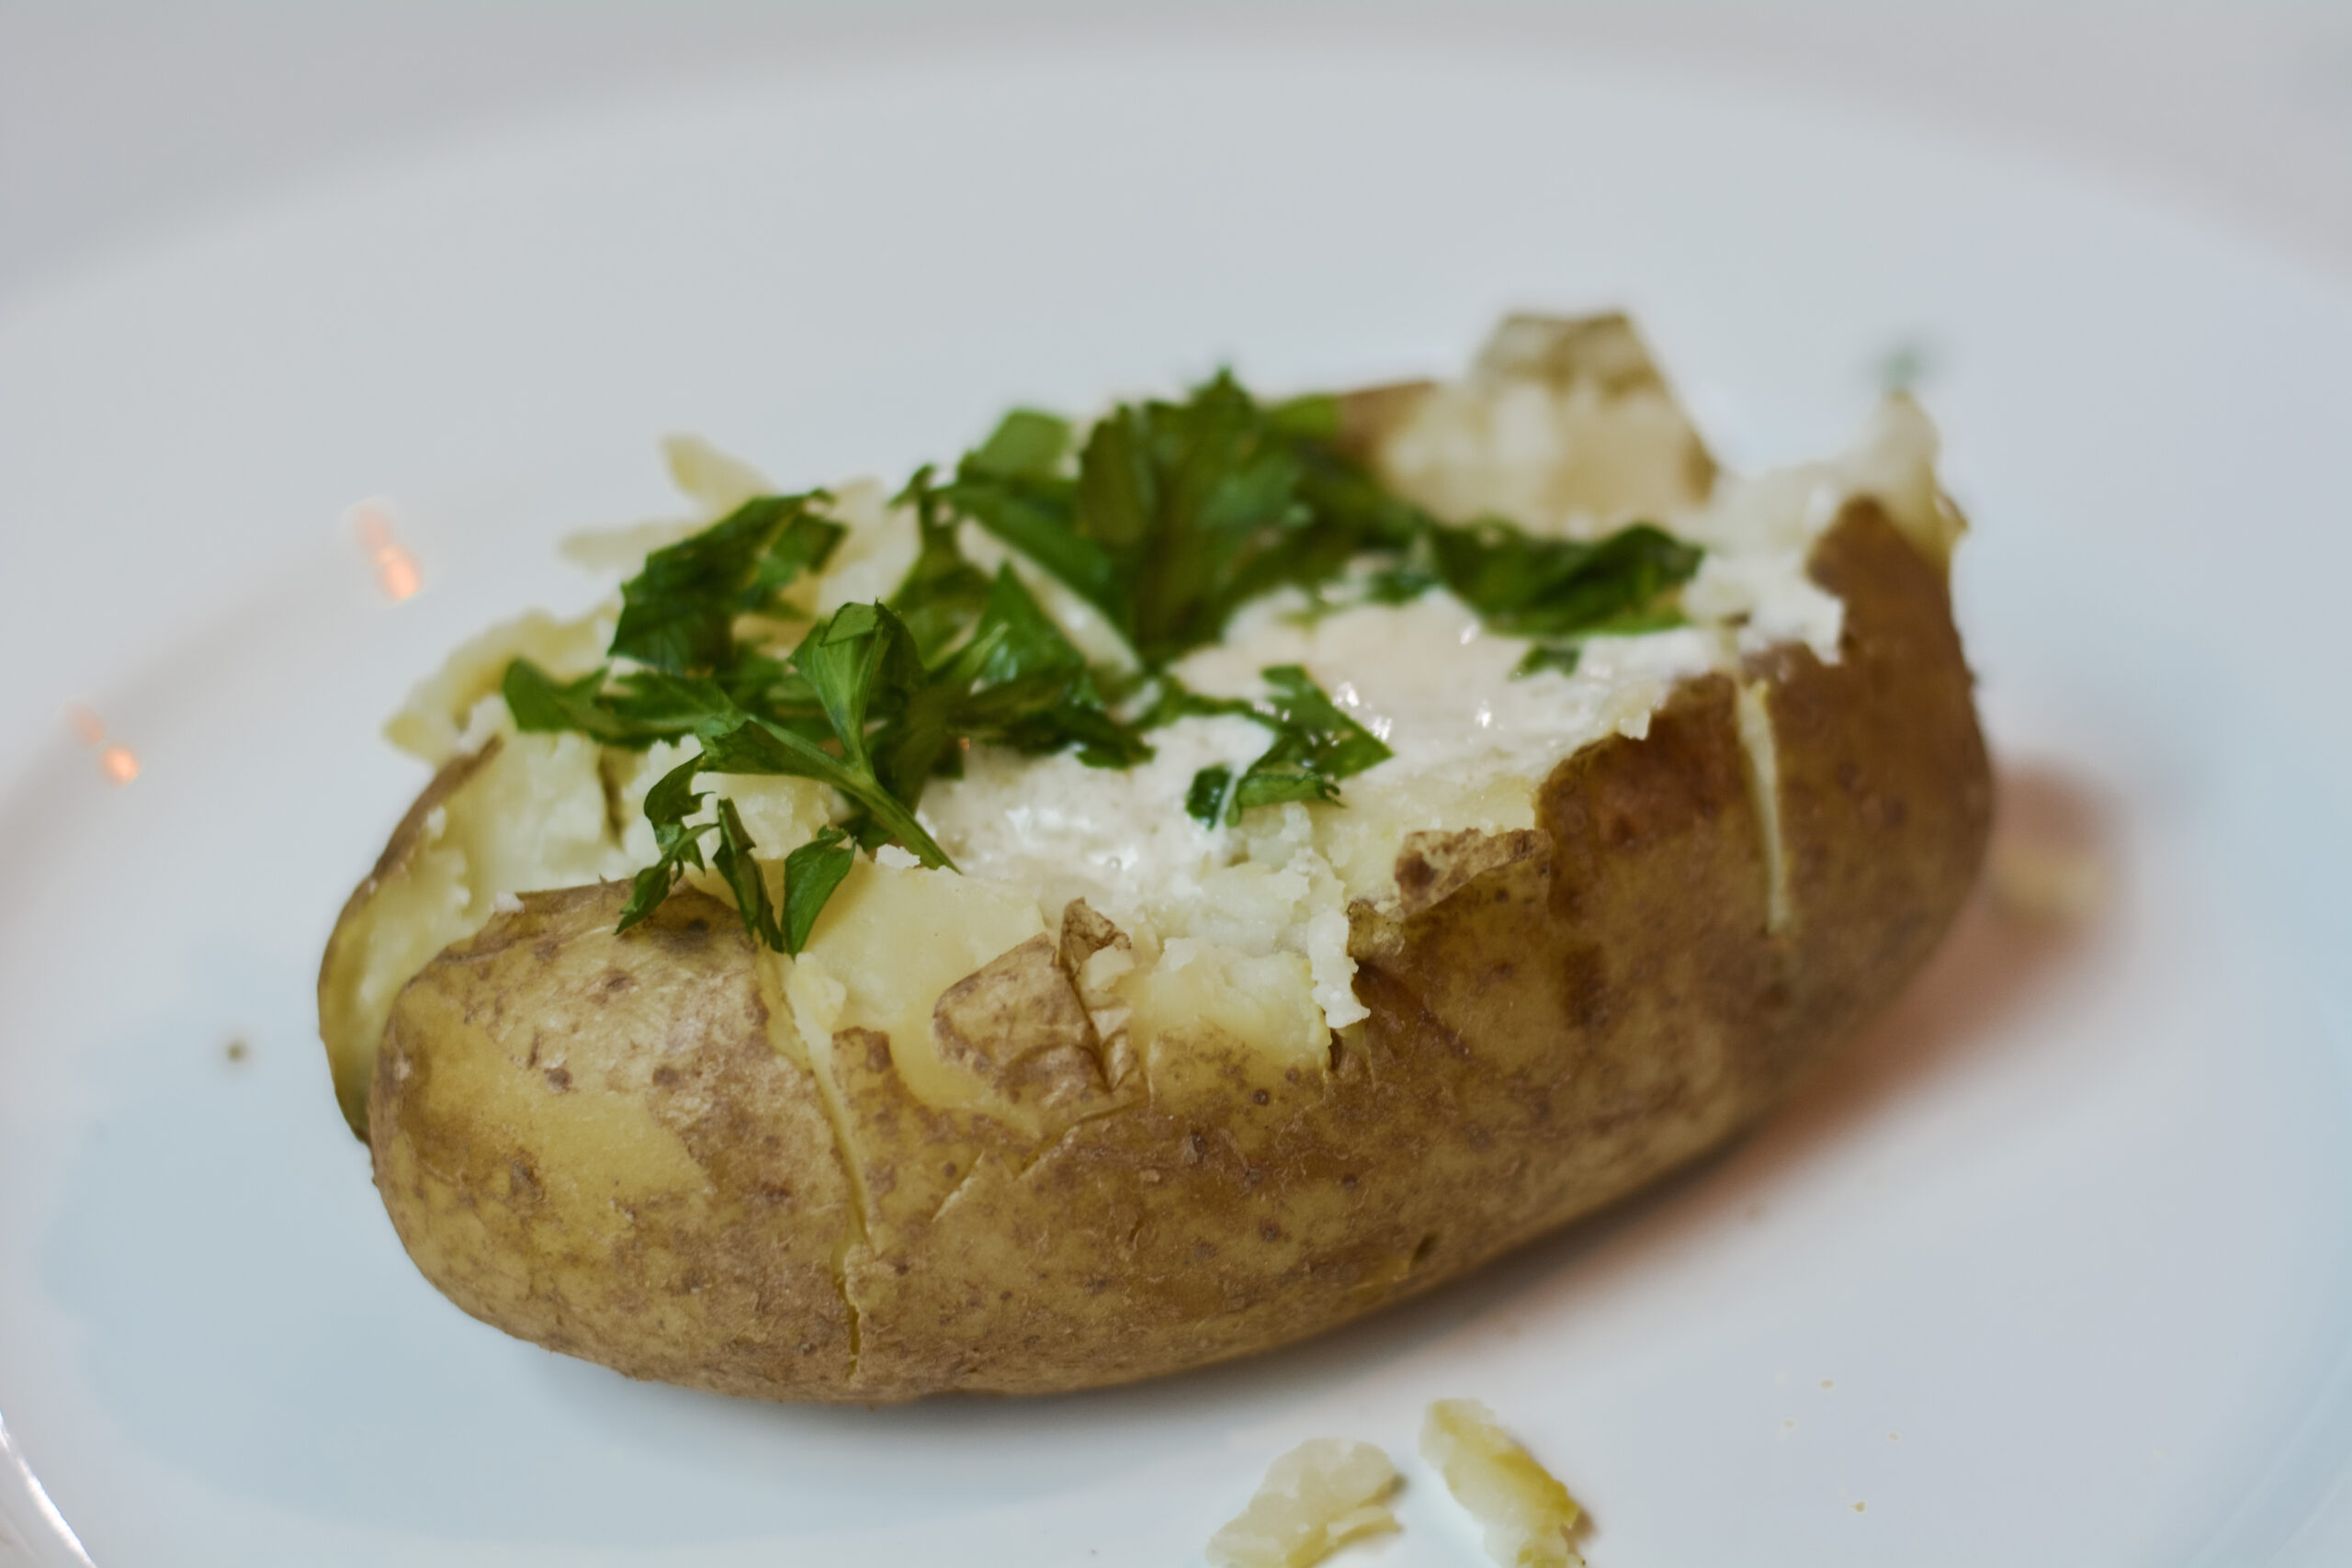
(1167, 518)
(1175, 515)
(1316, 744)
(678, 613)
(1547, 588)
(1564, 656)
(1204, 802)
(1559, 657)
(810, 874)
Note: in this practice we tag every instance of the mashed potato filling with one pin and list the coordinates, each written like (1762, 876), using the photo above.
(1244, 928)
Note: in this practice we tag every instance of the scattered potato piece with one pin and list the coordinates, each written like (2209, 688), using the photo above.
(619, 552)
(719, 481)
(1315, 1499)
(436, 723)
(1528, 1514)
(716, 482)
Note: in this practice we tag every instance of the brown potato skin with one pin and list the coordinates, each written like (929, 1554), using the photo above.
(1558, 1018)
(591, 1142)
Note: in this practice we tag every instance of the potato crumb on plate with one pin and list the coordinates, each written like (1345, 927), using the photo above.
(1527, 1515)
(1315, 1499)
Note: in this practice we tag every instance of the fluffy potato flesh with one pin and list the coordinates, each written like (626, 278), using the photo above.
(1527, 1514)
(972, 1141)
(1315, 1499)
(522, 812)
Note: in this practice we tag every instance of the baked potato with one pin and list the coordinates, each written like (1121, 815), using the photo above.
(1122, 1094)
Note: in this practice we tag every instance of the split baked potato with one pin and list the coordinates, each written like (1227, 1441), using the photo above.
(1032, 1126)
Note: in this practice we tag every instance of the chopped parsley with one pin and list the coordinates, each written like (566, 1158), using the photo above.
(1314, 746)
(1174, 515)
(678, 613)
(1166, 517)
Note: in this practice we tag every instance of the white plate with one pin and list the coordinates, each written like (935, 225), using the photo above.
(2075, 1221)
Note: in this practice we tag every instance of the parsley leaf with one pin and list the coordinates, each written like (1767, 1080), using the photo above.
(542, 705)
(1523, 586)
(1316, 744)
(655, 706)
(759, 747)
(1205, 801)
(810, 874)
(1034, 690)
(862, 658)
(632, 710)
(1559, 657)
(733, 861)
(1332, 742)
(1564, 656)
(668, 804)
(942, 592)
(678, 613)
(1179, 512)
(1027, 443)
(1037, 515)
(1197, 503)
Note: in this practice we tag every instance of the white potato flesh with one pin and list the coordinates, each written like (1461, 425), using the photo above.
(1527, 1514)
(1315, 1499)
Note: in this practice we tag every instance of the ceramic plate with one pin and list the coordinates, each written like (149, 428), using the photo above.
(2054, 1266)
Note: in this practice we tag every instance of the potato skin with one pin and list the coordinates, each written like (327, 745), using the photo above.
(1558, 1017)
(591, 1142)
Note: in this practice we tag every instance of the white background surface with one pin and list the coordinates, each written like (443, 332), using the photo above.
(124, 120)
